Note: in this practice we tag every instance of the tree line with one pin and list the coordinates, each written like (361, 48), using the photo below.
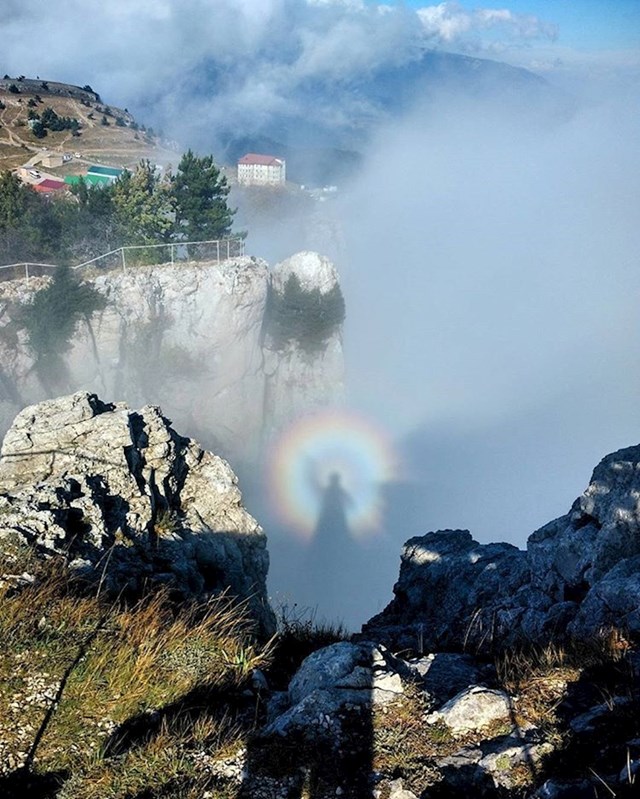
(143, 206)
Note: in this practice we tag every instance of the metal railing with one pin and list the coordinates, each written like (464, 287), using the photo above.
(134, 255)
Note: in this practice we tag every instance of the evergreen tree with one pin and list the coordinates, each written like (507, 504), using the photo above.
(307, 316)
(200, 197)
(13, 200)
(143, 205)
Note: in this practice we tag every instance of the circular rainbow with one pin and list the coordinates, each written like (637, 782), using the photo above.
(302, 458)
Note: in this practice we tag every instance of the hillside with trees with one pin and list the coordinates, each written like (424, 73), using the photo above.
(38, 115)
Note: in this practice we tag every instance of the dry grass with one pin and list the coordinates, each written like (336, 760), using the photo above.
(539, 676)
(97, 668)
(405, 746)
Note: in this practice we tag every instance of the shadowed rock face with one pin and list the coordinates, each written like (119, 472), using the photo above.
(130, 502)
(580, 575)
(446, 580)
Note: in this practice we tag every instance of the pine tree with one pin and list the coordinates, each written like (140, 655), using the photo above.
(200, 197)
(144, 205)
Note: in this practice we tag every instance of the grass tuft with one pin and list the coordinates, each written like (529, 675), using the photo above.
(117, 697)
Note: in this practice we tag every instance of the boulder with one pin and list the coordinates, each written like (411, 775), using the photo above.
(475, 709)
(446, 582)
(580, 576)
(130, 502)
(314, 271)
(334, 679)
(443, 675)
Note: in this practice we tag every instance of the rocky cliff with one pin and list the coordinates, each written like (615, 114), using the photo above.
(129, 503)
(493, 673)
(516, 675)
(190, 338)
(579, 577)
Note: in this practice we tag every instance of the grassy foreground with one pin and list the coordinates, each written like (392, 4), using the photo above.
(112, 700)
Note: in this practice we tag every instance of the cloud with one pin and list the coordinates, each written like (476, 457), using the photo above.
(451, 24)
(255, 56)
(491, 279)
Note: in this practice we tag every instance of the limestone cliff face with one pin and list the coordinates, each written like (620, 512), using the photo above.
(299, 379)
(187, 337)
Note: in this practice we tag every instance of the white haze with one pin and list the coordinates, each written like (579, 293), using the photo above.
(493, 288)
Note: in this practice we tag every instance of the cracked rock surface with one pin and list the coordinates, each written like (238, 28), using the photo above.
(130, 502)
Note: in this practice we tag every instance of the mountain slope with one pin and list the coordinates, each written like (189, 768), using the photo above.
(107, 134)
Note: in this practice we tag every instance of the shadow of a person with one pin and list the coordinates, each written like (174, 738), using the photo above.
(331, 532)
(321, 744)
(333, 556)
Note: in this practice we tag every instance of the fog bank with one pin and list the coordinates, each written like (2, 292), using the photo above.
(492, 281)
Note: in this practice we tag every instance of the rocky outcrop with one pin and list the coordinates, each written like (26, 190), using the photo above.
(190, 338)
(373, 724)
(579, 577)
(358, 720)
(129, 502)
(446, 581)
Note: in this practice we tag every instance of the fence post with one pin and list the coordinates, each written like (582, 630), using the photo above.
(171, 248)
(124, 262)
(218, 250)
(228, 242)
(26, 272)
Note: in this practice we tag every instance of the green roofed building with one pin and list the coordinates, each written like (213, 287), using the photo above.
(97, 180)
(106, 171)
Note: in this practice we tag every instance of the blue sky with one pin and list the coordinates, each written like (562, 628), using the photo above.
(592, 24)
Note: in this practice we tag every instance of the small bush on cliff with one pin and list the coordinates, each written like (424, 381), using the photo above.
(306, 317)
(52, 319)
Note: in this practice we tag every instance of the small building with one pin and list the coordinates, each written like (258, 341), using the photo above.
(28, 174)
(109, 172)
(90, 179)
(261, 170)
(52, 159)
(49, 185)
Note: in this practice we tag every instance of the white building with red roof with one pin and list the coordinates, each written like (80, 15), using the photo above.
(261, 170)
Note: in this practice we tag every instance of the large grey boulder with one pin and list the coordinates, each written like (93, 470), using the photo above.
(335, 680)
(129, 502)
(443, 675)
(475, 709)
